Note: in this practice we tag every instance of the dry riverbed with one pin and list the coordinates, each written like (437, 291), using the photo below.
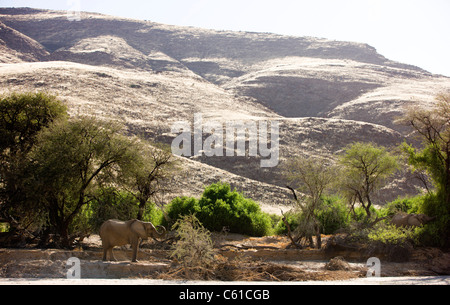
(239, 259)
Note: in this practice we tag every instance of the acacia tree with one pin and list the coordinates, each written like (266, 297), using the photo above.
(313, 177)
(148, 173)
(365, 169)
(22, 117)
(432, 126)
(69, 160)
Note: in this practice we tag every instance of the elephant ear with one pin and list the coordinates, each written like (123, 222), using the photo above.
(139, 228)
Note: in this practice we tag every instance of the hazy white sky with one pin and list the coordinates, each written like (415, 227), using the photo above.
(416, 32)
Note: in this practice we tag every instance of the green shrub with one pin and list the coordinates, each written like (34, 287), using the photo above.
(332, 215)
(436, 233)
(432, 234)
(403, 205)
(182, 206)
(293, 221)
(221, 207)
(113, 204)
(359, 214)
(4, 227)
(391, 235)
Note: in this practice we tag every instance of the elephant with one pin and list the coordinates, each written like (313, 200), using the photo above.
(411, 220)
(119, 233)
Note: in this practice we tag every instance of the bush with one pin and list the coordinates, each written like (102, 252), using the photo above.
(396, 243)
(359, 215)
(194, 247)
(181, 206)
(436, 233)
(113, 204)
(403, 205)
(293, 221)
(391, 235)
(220, 207)
(433, 234)
(333, 215)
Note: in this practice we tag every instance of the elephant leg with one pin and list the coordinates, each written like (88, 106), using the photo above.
(111, 255)
(135, 247)
(105, 251)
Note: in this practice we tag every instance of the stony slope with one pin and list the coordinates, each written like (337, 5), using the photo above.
(325, 94)
(16, 47)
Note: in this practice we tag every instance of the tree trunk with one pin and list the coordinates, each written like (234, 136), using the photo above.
(318, 237)
(290, 232)
(142, 205)
(64, 236)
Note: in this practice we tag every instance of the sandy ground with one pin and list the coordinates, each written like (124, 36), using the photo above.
(49, 267)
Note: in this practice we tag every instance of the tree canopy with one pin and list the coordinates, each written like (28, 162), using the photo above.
(365, 169)
(432, 128)
(53, 166)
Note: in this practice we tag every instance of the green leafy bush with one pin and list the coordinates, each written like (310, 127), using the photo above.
(433, 233)
(293, 221)
(221, 207)
(391, 235)
(333, 215)
(403, 205)
(182, 206)
(114, 204)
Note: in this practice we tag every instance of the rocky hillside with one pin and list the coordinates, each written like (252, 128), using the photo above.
(325, 94)
(16, 47)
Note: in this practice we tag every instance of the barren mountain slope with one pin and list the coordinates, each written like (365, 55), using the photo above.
(113, 51)
(54, 31)
(150, 103)
(384, 104)
(293, 76)
(144, 99)
(149, 76)
(317, 87)
(16, 47)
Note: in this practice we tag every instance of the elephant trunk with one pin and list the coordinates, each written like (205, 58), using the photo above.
(430, 219)
(161, 232)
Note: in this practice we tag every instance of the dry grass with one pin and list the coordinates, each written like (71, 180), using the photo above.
(246, 270)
